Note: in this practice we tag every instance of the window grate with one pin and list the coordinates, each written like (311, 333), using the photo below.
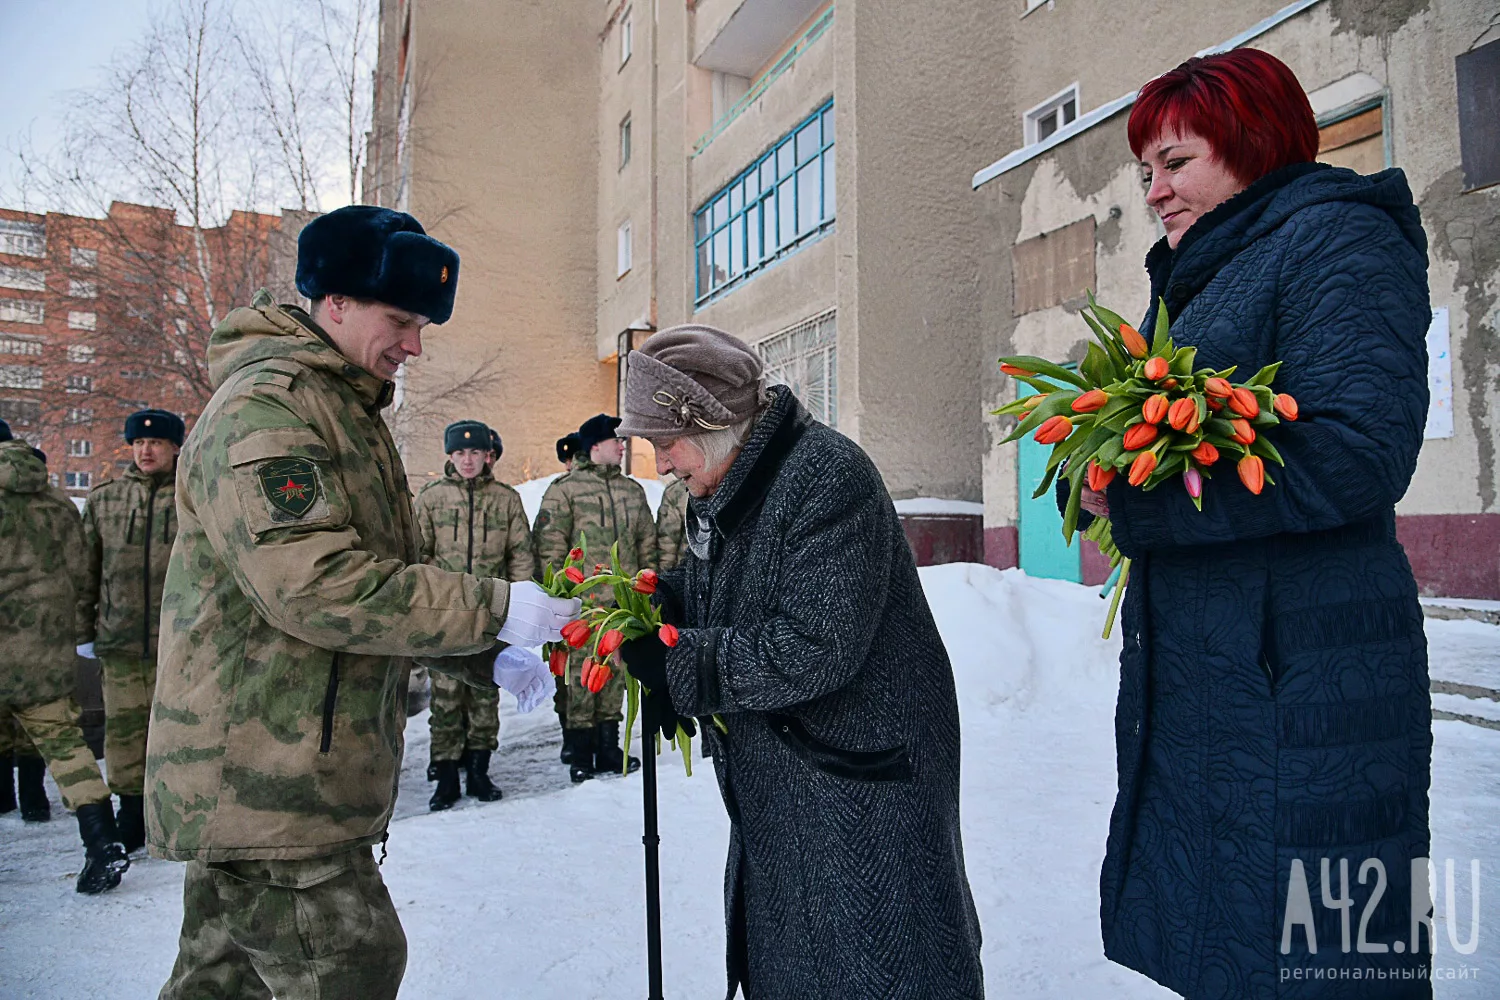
(804, 358)
(26, 239)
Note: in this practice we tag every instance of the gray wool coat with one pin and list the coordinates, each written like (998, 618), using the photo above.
(805, 628)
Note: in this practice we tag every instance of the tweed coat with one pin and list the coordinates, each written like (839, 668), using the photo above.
(1274, 701)
(805, 627)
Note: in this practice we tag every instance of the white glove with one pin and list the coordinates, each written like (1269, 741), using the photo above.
(525, 675)
(535, 616)
(87, 650)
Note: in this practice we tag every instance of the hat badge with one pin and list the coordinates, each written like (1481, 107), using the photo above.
(467, 435)
(148, 421)
(443, 277)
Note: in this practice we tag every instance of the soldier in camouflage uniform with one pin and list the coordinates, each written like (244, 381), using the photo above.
(567, 450)
(41, 566)
(294, 600)
(470, 523)
(128, 527)
(599, 505)
(671, 525)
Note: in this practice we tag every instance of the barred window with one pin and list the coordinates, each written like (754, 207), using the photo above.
(80, 415)
(20, 377)
(27, 239)
(20, 344)
(805, 358)
(20, 412)
(80, 383)
(78, 320)
(25, 279)
(21, 311)
(782, 199)
(80, 257)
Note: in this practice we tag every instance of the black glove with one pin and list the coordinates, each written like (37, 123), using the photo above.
(668, 603)
(646, 659)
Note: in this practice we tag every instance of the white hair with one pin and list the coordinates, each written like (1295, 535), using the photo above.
(719, 446)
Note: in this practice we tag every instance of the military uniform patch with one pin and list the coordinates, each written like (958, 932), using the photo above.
(290, 485)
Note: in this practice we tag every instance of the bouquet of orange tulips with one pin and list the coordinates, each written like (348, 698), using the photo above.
(1143, 410)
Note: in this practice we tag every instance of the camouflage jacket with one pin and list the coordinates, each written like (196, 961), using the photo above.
(41, 565)
(128, 527)
(671, 525)
(475, 526)
(603, 504)
(294, 599)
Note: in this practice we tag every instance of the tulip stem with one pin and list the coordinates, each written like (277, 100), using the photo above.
(1114, 602)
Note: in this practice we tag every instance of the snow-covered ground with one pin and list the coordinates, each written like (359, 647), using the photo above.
(538, 896)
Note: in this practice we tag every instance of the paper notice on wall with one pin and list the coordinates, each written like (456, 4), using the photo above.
(1439, 377)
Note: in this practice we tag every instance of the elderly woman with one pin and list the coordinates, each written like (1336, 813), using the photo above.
(805, 629)
(1273, 707)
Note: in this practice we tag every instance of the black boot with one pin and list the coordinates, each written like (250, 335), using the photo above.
(477, 774)
(105, 859)
(29, 788)
(7, 783)
(608, 757)
(131, 822)
(581, 754)
(447, 791)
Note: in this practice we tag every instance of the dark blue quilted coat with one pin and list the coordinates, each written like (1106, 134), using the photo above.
(1273, 690)
(805, 627)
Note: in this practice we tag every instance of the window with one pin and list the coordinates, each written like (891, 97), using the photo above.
(80, 383)
(20, 412)
(1051, 115)
(20, 377)
(23, 278)
(21, 311)
(77, 480)
(80, 415)
(52, 479)
(624, 141)
(1479, 115)
(82, 289)
(627, 36)
(28, 239)
(79, 257)
(80, 354)
(80, 448)
(805, 358)
(82, 320)
(23, 345)
(622, 250)
(782, 199)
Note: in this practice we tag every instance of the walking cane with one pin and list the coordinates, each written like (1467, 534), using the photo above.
(653, 868)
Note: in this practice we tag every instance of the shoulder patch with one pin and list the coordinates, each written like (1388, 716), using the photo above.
(280, 379)
(290, 485)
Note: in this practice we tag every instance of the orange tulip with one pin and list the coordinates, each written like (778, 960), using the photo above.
(668, 635)
(1244, 403)
(1135, 344)
(1142, 467)
(1053, 430)
(1215, 404)
(1013, 370)
(1252, 473)
(1154, 410)
(1205, 454)
(1218, 387)
(1090, 402)
(1243, 432)
(1285, 406)
(1157, 368)
(1100, 476)
(1182, 411)
(1139, 436)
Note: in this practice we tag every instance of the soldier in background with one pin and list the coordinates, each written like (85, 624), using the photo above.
(595, 505)
(41, 566)
(567, 450)
(671, 524)
(470, 523)
(294, 598)
(128, 527)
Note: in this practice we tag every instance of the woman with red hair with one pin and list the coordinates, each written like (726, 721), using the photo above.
(1274, 724)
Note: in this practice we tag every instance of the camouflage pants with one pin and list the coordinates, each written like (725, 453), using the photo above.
(129, 685)
(53, 728)
(586, 709)
(13, 738)
(301, 930)
(463, 718)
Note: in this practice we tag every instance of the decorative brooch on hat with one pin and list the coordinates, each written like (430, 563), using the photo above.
(681, 409)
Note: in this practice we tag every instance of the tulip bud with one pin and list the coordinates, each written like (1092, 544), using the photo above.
(1219, 388)
(610, 641)
(576, 634)
(1053, 430)
(1285, 406)
(1215, 404)
(1034, 400)
(574, 574)
(1252, 473)
(1139, 436)
(575, 555)
(646, 581)
(1182, 411)
(1192, 481)
(1243, 402)
(1012, 370)
(1157, 368)
(1142, 467)
(1243, 432)
(1135, 344)
(1170, 383)
(1205, 454)
(1090, 401)
(557, 661)
(668, 635)
(1154, 410)
(1100, 476)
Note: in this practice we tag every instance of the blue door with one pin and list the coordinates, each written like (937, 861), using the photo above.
(1043, 550)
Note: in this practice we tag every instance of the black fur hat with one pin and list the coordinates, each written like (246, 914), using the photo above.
(466, 434)
(595, 429)
(6, 435)
(375, 253)
(155, 424)
(496, 445)
(568, 448)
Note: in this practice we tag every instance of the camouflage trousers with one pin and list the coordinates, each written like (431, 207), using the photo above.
(298, 930)
(586, 709)
(53, 729)
(129, 685)
(13, 738)
(462, 718)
